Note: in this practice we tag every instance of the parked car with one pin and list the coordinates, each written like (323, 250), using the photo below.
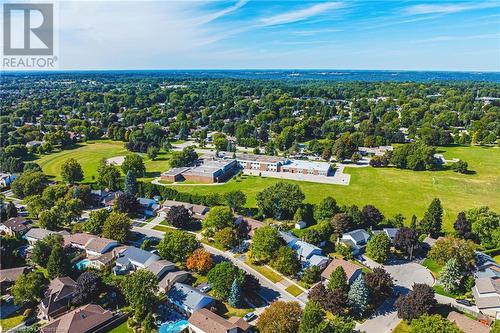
(249, 316)
(206, 288)
(463, 301)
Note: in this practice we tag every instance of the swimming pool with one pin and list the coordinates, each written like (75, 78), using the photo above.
(173, 327)
(82, 264)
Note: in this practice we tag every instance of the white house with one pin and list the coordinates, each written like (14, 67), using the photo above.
(133, 258)
(309, 255)
(487, 296)
(187, 298)
(356, 239)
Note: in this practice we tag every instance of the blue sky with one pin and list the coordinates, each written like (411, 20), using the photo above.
(412, 35)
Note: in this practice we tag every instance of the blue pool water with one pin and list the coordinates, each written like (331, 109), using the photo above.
(174, 327)
(82, 264)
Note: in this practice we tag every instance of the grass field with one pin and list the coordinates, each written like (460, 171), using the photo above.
(90, 154)
(398, 191)
(294, 290)
(10, 322)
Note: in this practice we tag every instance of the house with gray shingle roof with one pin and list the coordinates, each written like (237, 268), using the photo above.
(356, 239)
(187, 298)
(308, 254)
(133, 258)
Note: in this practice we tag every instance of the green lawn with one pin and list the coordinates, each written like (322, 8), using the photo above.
(266, 271)
(11, 322)
(497, 258)
(397, 191)
(90, 153)
(122, 328)
(403, 327)
(433, 266)
(294, 290)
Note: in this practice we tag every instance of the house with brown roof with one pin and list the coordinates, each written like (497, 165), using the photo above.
(16, 226)
(9, 276)
(57, 297)
(93, 245)
(352, 271)
(466, 324)
(89, 318)
(197, 211)
(205, 321)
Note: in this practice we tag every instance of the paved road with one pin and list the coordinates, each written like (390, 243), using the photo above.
(270, 291)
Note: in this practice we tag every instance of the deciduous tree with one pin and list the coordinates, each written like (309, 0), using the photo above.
(117, 226)
(265, 242)
(71, 171)
(200, 261)
(29, 288)
(283, 317)
(378, 247)
(177, 245)
(379, 282)
(416, 303)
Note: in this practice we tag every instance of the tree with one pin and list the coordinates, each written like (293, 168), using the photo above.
(126, 203)
(11, 210)
(416, 303)
(117, 226)
(433, 218)
(88, 287)
(265, 242)
(486, 226)
(379, 282)
(152, 152)
(177, 245)
(311, 275)
(235, 199)
(433, 324)
(312, 236)
(227, 237)
(338, 279)
(451, 275)
(341, 223)
(450, 247)
(29, 183)
(285, 261)
(134, 163)
(148, 324)
(96, 221)
(221, 278)
(130, 184)
(140, 289)
(372, 215)
(29, 288)
(378, 247)
(463, 227)
(282, 317)
(460, 167)
(71, 171)
(183, 158)
(340, 324)
(200, 261)
(333, 301)
(326, 209)
(406, 240)
(179, 217)
(313, 318)
(358, 296)
(280, 200)
(58, 264)
(108, 176)
(51, 219)
(42, 249)
(217, 218)
(234, 298)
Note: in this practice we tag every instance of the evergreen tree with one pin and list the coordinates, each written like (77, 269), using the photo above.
(58, 263)
(433, 218)
(338, 279)
(358, 296)
(11, 210)
(130, 185)
(413, 224)
(450, 275)
(235, 295)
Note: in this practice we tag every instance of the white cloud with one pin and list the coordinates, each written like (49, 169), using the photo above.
(452, 38)
(301, 14)
(447, 8)
(213, 16)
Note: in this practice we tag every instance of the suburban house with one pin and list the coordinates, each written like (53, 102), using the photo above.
(160, 267)
(210, 171)
(352, 271)
(6, 179)
(57, 297)
(16, 226)
(308, 254)
(133, 258)
(188, 299)
(34, 144)
(9, 276)
(89, 318)
(171, 278)
(148, 206)
(356, 239)
(93, 245)
(35, 234)
(205, 321)
(487, 296)
(197, 211)
(252, 223)
(105, 260)
(390, 232)
(488, 270)
(466, 324)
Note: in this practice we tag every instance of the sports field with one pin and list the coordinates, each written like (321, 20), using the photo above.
(90, 154)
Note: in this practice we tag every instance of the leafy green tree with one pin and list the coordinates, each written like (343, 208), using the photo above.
(177, 245)
(433, 324)
(311, 275)
(42, 249)
(217, 218)
(152, 152)
(71, 171)
(280, 200)
(378, 247)
(234, 298)
(96, 221)
(221, 278)
(134, 163)
(108, 176)
(433, 218)
(226, 237)
(313, 319)
(140, 289)
(340, 324)
(126, 203)
(130, 184)
(117, 226)
(29, 288)
(486, 225)
(451, 275)
(283, 317)
(358, 296)
(447, 248)
(265, 243)
(235, 199)
(285, 261)
(58, 264)
(51, 219)
(338, 279)
(29, 183)
(148, 324)
(460, 167)
(326, 209)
